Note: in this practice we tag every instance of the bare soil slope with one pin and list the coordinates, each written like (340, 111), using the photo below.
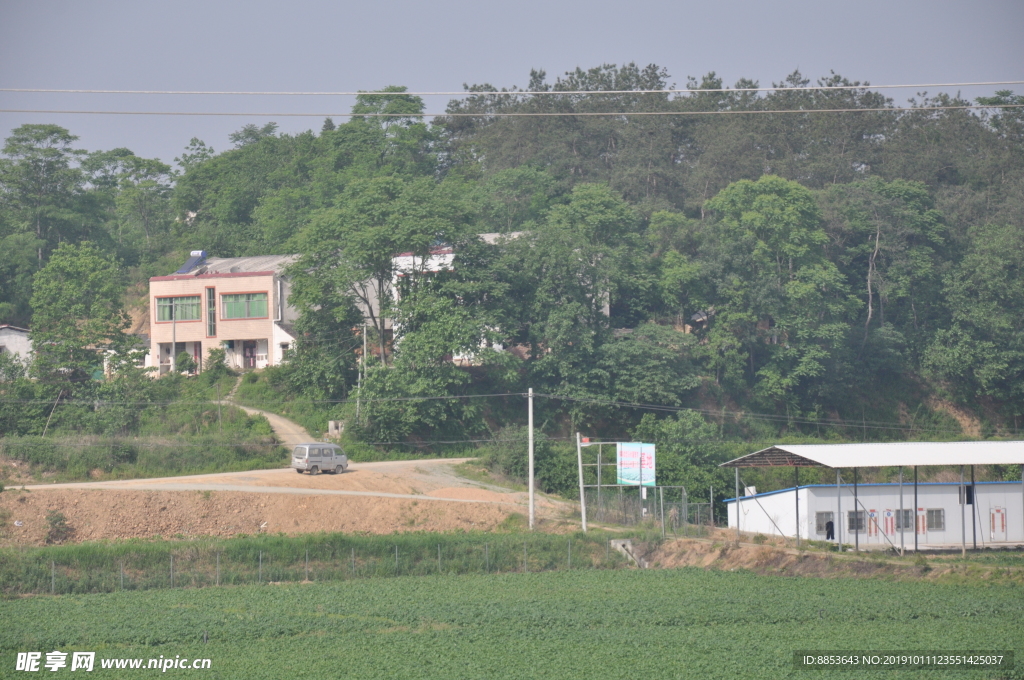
(371, 498)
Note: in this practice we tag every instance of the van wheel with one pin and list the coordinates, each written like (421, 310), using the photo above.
(338, 470)
(299, 471)
(314, 470)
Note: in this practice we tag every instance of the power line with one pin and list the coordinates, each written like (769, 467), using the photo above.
(665, 408)
(516, 114)
(512, 93)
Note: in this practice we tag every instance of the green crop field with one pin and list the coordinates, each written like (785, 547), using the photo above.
(650, 624)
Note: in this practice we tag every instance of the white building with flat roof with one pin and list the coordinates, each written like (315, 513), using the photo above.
(994, 514)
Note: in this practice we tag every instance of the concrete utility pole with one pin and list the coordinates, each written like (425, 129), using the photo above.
(583, 498)
(359, 376)
(174, 334)
(529, 418)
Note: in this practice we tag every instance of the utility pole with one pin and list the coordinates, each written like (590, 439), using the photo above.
(174, 334)
(583, 498)
(529, 418)
(359, 377)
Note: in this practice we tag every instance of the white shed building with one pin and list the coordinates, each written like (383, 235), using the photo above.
(995, 515)
(889, 515)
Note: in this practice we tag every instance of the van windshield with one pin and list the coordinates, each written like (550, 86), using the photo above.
(300, 452)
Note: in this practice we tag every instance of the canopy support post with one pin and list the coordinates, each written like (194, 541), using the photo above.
(796, 479)
(974, 504)
(856, 516)
(916, 510)
(737, 502)
(839, 512)
(903, 523)
(963, 515)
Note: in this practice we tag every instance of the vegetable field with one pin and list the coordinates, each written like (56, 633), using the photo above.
(686, 623)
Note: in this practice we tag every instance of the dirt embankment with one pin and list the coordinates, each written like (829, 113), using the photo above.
(721, 553)
(121, 514)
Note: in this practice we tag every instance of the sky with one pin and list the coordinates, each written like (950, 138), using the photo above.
(434, 46)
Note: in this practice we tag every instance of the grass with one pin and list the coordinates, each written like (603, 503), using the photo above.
(474, 471)
(143, 565)
(568, 624)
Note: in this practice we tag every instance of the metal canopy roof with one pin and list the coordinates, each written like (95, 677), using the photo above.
(907, 454)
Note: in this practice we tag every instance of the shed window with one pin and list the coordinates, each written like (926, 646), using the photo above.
(906, 522)
(855, 520)
(244, 306)
(936, 519)
(820, 518)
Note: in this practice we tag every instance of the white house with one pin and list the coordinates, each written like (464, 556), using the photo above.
(15, 340)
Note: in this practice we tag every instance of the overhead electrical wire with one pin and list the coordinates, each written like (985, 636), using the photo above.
(665, 408)
(513, 93)
(516, 114)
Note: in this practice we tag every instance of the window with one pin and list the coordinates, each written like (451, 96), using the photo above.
(855, 520)
(211, 312)
(244, 306)
(178, 308)
(820, 518)
(906, 522)
(937, 520)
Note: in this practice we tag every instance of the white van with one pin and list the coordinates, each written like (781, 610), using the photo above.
(317, 457)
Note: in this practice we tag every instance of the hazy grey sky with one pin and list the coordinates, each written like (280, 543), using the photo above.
(439, 45)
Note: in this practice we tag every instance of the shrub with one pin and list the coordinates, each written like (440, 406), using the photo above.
(59, 529)
(184, 363)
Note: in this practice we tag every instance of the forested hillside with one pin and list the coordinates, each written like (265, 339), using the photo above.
(803, 262)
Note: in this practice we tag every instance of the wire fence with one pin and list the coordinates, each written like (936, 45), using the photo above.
(117, 567)
(666, 508)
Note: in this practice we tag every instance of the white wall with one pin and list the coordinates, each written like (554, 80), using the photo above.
(758, 512)
(16, 341)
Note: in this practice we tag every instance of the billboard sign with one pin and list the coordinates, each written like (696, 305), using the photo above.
(635, 463)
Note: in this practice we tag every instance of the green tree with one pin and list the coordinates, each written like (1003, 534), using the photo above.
(349, 250)
(41, 187)
(981, 354)
(780, 304)
(78, 317)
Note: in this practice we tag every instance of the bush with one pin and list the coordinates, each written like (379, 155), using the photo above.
(184, 363)
(216, 365)
(59, 530)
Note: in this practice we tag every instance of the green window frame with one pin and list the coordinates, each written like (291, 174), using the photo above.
(244, 306)
(186, 308)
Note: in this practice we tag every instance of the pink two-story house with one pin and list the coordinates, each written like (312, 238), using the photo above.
(239, 304)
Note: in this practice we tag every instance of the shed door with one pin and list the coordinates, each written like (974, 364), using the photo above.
(997, 523)
(889, 525)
